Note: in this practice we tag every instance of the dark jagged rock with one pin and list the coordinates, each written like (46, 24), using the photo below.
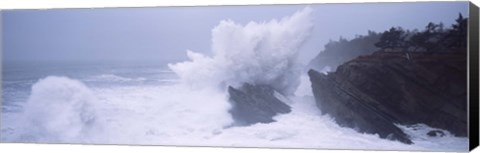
(255, 104)
(371, 93)
(436, 133)
(350, 109)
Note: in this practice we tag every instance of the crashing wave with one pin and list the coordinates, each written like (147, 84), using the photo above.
(58, 110)
(256, 53)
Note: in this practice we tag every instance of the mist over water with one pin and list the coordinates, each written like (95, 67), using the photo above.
(186, 103)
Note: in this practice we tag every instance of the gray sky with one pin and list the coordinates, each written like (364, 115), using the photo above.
(165, 33)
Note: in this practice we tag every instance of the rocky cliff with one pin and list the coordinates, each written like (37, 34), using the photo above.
(372, 93)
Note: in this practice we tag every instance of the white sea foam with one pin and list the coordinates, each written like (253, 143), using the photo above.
(304, 89)
(162, 115)
(257, 53)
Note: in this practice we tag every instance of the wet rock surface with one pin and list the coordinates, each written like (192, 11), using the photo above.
(372, 93)
(255, 104)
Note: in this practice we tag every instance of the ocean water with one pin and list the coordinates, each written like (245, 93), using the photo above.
(148, 105)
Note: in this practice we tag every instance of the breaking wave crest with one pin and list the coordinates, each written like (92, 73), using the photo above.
(58, 110)
(256, 53)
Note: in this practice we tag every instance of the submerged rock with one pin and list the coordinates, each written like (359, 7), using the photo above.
(372, 93)
(255, 104)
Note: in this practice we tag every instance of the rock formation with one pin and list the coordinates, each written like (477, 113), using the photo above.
(255, 104)
(372, 93)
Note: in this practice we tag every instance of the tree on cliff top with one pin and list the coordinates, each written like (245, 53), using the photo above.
(392, 39)
(434, 38)
(457, 36)
(429, 39)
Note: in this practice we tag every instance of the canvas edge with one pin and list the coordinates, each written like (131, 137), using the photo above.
(473, 74)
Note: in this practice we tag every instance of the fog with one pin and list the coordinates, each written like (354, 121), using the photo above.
(165, 33)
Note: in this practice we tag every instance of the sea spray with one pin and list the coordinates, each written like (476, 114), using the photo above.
(256, 53)
(58, 110)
